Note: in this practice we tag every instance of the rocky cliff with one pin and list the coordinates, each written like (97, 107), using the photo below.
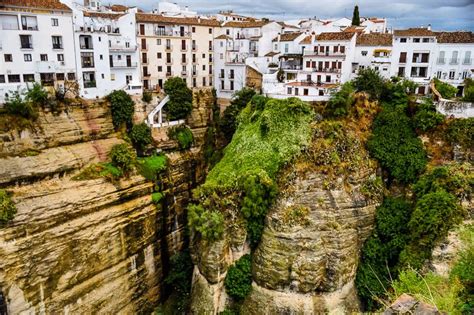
(307, 258)
(91, 245)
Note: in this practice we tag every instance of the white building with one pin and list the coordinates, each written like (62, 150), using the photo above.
(454, 56)
(36, 45)
(374, 51)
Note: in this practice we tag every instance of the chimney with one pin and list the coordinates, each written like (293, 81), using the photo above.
(429, 27)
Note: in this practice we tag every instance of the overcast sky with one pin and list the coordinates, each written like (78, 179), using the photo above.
(442, 14)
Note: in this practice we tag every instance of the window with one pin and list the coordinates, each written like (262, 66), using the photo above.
(296, 91)
(87, 59)
(61, 57)
(227, 31)
(9, 22)
(204, 81)
(221, 44)
(127, 44)
(288, 91)
(27, 57)
(26, 42)
(221, 56)
(54, 22)
(328, 78)
(103, 76)
(194, 29)
(183, 58)
(183, 44)
(158, 55)
(203, 56)
(305, 91)
(2, 78)
(89, 79)
(454, 58)
(467, 58)
(57, 42)
(44, 57)
(465, 74)
(452, 73)
(222, 85)
(403, 57)
(204, 67)
(112, 77)
(100, 39)
(286, 48)
(71, 76)
(14, 78)
(231, 85)
(210, 30)
(403, 40)
(160, 69)
(364, 53)
(29, 23)
(210, 45)
(416, 40)
(100, 57)
(426, 40)
(29, 78)
(438, 74)
(60, 76)
(321, 92)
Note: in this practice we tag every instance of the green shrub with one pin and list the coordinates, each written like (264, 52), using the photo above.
(122, 107)
(396, 146)
(228, 123)
(208, 223)
(461, 131)
(140, 135)
(238, 281)
(147, 97)
(98, 170)
(426, 117)
(37, 95)
(156, 197)
(122, 156)
(340, 102)
(445, 89)
(150, 167)
(179, 278)
(370, 81)
(183, 135)
(7, 208)
(463, 270)
(259, 194)
(468, 90)
(180, 104)
(380, 253)
(435, 213)
(17, 106)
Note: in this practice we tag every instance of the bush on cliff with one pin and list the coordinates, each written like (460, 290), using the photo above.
(17, 106)
(445, 89)
(370, 81)
(461, 132)
(7, 208)
(179, 279)
(183, 135)
(468, 90)
(341, 101)
(151, 166)
(37, 95)
(147, 97)
(140, 135)
(180, 104)
(426, 116)
(122, 156)
(122, 107)
(208, 223)
(228, 123)
(238, 281)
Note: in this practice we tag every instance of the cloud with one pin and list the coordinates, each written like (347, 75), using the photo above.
(442, 14)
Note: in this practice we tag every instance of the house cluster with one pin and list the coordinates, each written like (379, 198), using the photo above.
(101, 48)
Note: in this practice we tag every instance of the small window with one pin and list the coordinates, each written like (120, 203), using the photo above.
(403, 40)
(112, 77)
(160, 69)
(158, 55)
(60, 76)
(61, 57)
(54, 22)
(29, 78)
(203, 56)
(416, 40)
(426, 40)
(203, 67)
(364, 53)
(100, 39)
(71, 76)
(8, 58)
(119, 57)
(14, 78)
(2, 78)
(210, 30)
(44, 57)
(103, 76)
(194, 29)
(158, 41)
(27, 57)
(101, 57)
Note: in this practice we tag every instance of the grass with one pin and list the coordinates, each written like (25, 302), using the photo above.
(99, 170)
(151, 166)
(264, 141)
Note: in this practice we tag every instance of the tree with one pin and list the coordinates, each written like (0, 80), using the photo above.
(228, 123)
(122, 156)
(340, 102)
(468, 90)
(180, 104)
(17, 106)
(355, 16)
(140, 137)
(238, 281)
(122, 107)
(445, 89)
(369, 80)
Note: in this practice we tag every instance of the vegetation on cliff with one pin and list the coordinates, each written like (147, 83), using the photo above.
(228, 123)
(183, 135)
(7, 208)
(238, 281)
(180, 104)
(122, 107)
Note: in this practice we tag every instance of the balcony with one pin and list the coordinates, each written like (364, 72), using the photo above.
(184, 73)
(419, 60)
(146, 74)
(9, 26)
(90, 84)
(231, 76)
(325, 54)
(327, 70)
(29, 27)
(87, 63)
(221, 75)
(124, 65)
(467, 61)
(168, 74)
(454, 61)
(57, 46)
(171, 33)
(441, 61)
(169, 48)
(194, 73)
(185, 48)
(121, 48)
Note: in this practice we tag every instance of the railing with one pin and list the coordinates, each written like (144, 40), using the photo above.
(441, 61)
(454, 61)
(122, 48)
(419, 60)
(169, 48)
(184, 73)
(29, 28)
(172, 33)
(90, 84)
(328, 70)
(124, 65)
(185, 61)
(221, 76)
(324, 54)
(6, 26)
(26, 46)
(231, 76)
(194, 47)
(57, 46)
(168, 74)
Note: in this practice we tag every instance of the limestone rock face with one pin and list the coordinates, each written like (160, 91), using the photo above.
(89, 246)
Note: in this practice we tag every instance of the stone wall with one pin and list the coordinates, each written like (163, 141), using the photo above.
(92, 245)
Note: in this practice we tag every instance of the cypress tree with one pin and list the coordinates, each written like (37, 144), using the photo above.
(355, 16)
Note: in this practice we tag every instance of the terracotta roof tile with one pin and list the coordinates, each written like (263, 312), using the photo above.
(287, 37)
(354, 29)
(334, 36)
(306, 40)
(271, 54)
(103, 15)
(414, 32)
(454, 37)
(40, 4)
(223, 37)
(246, 24)
(118, 8)
(157, 18)
(374, 39)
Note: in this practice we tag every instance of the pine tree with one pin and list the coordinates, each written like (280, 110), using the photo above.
(355, 16)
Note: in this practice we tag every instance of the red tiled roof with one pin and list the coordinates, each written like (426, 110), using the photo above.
(246, 24)
(287, 37)
(374, 39)
(306, 40)
(271, 54)
(223, 37)
(157, 18)
(455, 37)
(40, 4)
(334, 36)
(118, 8)
(414, 32)
(354, 29)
